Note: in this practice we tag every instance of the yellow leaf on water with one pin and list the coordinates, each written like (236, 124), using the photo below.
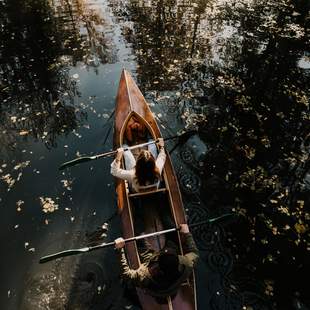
(300, 228)
(19, 203)
(301, 203)
(23, 132)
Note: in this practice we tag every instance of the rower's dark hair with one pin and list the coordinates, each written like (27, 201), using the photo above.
(146, 170)
(168, 262)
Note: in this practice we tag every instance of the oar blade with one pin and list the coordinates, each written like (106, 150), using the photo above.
(48, 258)
(74, 162)
(215, 219)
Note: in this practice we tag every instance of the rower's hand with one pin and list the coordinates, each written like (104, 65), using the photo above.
(184, 228)
(119, 243)
(161, 142)
(119, 154)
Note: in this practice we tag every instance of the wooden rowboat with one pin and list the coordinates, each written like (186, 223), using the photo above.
(130, 104)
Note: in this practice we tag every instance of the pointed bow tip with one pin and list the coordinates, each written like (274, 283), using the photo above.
(126, 76)
(125, 71)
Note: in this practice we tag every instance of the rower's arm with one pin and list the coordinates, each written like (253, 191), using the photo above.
(139, 277)
(161, 159)
(191, 252)
(121, 173)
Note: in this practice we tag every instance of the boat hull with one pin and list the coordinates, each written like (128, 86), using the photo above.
(130, 102)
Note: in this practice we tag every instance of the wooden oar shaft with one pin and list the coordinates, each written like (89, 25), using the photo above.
(125, 149)
(48, 258)
(80, 160)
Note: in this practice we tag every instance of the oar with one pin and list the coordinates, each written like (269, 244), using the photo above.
(111, 153)
(48, 258)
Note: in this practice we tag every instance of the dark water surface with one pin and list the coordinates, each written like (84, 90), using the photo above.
(237, 71)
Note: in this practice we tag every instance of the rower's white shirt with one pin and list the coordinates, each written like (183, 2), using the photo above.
(129, 175)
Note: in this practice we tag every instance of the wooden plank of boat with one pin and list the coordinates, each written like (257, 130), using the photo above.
(130, 104)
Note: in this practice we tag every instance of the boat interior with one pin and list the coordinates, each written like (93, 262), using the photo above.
(152, 213)
(151, 210)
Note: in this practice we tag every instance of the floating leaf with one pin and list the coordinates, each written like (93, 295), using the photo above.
(300, 228)
(19, 203)
(48, 204)
(22, 165)
(301, 203)
(8, 180)
(67, 184)
(24, 132)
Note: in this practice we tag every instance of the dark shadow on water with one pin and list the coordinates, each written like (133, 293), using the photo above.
(91, 287)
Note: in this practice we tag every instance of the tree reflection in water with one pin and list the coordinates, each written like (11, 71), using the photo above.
(234, 64)
(230, 69)
(38, 44)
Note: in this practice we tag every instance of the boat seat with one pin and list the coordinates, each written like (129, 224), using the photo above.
(159, 190)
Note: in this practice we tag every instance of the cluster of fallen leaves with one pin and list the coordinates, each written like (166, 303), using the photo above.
(90, 108)
(257, 179)
(48, 204)
(8, 178)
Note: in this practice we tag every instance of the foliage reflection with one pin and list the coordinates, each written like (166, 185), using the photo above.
(39, 42)
(235, 65)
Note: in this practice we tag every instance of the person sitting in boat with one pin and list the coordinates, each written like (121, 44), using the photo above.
(134, 130)
(143, 174)
(161, 274)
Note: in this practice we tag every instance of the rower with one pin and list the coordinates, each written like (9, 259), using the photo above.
(143, 174)
(161, 273)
